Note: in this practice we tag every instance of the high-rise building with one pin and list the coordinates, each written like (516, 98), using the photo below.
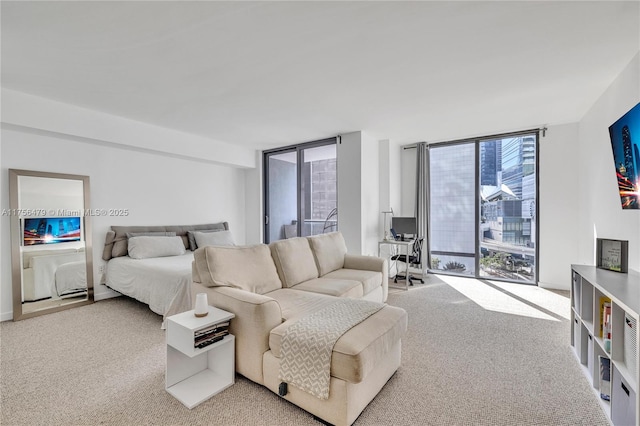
(627, 153)
(528, 155)
(42, 227)
(637, 157)
(518, 161)
(490, 162)
(319, 192)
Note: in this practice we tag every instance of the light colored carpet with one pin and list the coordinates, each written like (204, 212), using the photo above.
(475, 354)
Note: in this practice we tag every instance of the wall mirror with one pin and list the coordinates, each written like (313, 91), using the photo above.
(51, 256)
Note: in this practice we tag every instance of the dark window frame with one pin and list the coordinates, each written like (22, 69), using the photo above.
(298, 149)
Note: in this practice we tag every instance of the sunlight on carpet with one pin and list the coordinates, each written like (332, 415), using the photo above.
(546, 299)
(507, 298)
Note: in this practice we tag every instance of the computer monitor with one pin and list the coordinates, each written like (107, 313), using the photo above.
(404, 225)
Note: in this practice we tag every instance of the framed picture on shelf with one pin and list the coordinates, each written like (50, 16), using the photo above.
(612, 255)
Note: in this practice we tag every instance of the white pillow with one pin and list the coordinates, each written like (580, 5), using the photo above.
(222, 238)
(146, 247)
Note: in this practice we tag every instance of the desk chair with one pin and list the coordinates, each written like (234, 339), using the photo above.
(415, 258)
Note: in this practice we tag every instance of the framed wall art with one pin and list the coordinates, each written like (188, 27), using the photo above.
(612, 255)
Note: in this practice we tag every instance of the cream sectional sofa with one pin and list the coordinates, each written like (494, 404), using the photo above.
(270, 287)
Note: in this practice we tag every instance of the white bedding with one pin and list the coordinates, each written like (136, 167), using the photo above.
(40, 278)
(159, 282)
(71, 278)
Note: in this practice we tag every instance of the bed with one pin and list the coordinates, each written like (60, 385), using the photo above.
(160, 282)
(53, 273)
(71, 278)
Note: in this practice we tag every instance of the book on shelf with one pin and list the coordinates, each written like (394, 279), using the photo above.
(207, 342)
(209, 339)
(606, 327)
(605, 377)
(604, 302)
(212, 328)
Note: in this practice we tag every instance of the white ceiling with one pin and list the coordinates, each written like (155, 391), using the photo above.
(268, 74)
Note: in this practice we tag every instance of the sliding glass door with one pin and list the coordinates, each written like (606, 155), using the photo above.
(300, 190)
(482, 207)
(281, 201)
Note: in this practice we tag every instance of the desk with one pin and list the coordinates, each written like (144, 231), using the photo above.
(408, 245)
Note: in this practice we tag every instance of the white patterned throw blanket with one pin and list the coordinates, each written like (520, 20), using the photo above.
(305, 356)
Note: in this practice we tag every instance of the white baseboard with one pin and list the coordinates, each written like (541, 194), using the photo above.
(102, 292)
(6, 316)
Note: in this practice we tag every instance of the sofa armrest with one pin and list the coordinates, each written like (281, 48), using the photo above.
(255, 316)
(364, 263)
(370, 263)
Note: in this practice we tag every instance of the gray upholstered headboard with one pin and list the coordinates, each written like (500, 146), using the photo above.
(116, 242)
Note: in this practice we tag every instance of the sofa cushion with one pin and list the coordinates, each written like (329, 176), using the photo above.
(294, 303)
(294, 261)
(329, 250)
(249, 268)
(370, 279)
(360, 349)
(333, 287)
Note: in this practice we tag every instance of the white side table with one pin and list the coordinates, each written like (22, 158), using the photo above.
(194, 375)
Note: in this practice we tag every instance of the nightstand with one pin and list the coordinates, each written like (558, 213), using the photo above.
(194, 375)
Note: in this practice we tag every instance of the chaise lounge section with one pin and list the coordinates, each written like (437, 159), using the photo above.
(270, 288)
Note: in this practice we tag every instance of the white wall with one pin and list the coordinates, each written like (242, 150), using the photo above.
(389, 164)
(349, 174)
(254, 202)
(359, 192)
(370, 193)
(384, 165)
(48, 193)
(395, 178)
(600, 213)
(559, 205)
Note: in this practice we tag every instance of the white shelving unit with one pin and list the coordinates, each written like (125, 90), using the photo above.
(194, 375)
(589, 286)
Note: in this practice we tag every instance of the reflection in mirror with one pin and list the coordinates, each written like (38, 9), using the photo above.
(50, 242)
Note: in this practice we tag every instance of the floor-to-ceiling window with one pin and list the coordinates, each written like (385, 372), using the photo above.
(482, 207)
(300, 190)
(453, 208)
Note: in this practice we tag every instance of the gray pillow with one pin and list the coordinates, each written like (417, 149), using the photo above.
(222, 238)
(152, 246)
(151, 234)
(192, 239)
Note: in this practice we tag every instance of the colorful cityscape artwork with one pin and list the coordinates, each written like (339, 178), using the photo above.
(625, 142)
(51, 230)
